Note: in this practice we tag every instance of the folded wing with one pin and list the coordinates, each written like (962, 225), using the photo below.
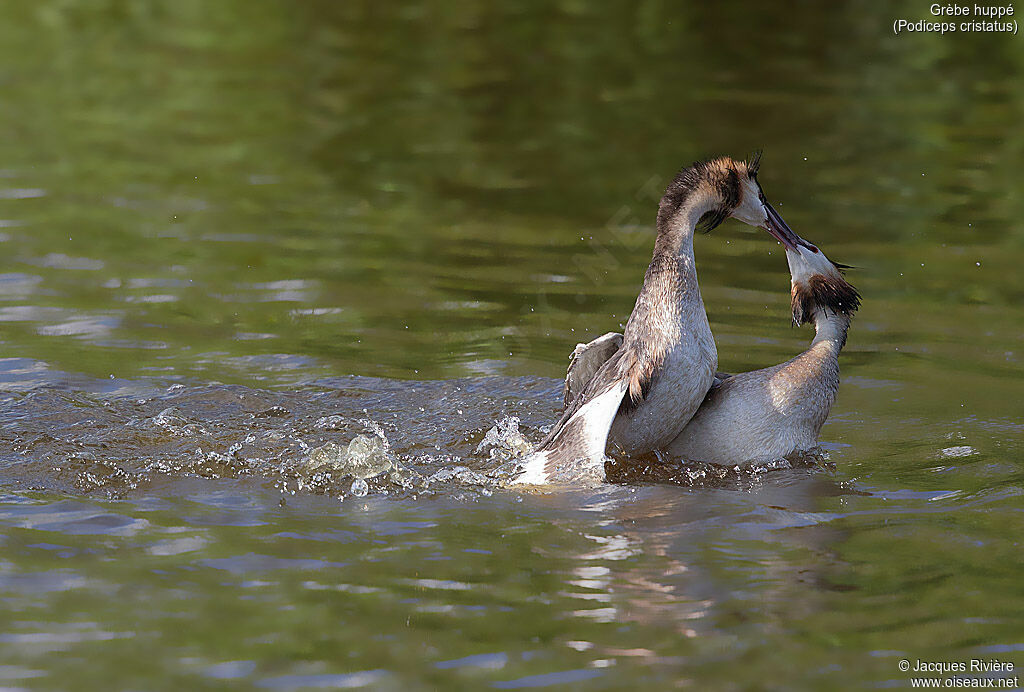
(573, 451)
(585, 361)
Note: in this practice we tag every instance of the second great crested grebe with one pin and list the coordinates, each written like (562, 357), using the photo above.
(647, 390)
(771, 413)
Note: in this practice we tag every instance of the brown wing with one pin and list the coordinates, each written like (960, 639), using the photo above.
(585, 361)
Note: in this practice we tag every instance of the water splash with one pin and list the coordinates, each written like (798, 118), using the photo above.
(367, 461)
(504, 442)
(364, 457)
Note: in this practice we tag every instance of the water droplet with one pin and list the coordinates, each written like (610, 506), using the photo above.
(360, 488)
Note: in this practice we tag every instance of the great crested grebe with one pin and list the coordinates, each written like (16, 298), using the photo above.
(774, 412)
(770, 413)
(650, 386)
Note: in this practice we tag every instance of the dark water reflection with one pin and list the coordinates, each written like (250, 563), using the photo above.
(235, 234)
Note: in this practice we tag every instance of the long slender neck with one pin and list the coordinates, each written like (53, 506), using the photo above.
(669, 301)
(675, 231)
(805, 387)
(830, 329)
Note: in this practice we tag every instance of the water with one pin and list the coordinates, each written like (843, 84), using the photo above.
(284, 287)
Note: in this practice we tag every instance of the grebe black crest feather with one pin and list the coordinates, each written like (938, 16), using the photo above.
(754, 163)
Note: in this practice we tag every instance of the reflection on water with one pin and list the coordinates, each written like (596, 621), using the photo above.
(283, 285)
(365, 515)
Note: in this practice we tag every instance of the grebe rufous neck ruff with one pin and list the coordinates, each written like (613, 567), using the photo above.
(650, 387)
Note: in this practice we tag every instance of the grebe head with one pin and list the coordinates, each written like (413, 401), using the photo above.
(731, 189)
(753, 207)
(818, 283)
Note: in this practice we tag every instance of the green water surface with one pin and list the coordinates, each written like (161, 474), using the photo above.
(213, 214)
